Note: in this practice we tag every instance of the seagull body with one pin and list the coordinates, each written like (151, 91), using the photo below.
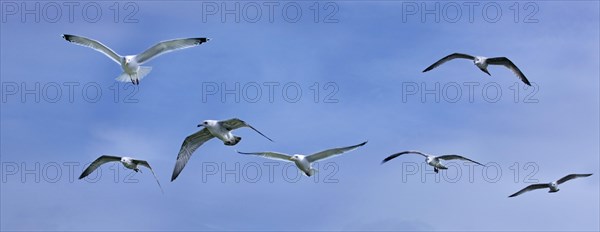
(304, 162)
(212, 129)
(482, 63)
(128, 162)
(131, 64)
(434, 161)
(553, 186)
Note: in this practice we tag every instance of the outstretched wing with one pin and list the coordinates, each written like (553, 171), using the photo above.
(510, 65)
(168, 46)
(449, 58)
(269, 155)
(529, 188)
(146, 164)
(402, 153)
(332, 152)
(454, 157)
(100, 161)
(190, 144)
(93, 44)
(570, 177)
(235, 123)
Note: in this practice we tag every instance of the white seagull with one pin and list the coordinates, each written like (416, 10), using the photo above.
(304, 163)
(132, 71)
(128, 162)
(482, 63)
(212, 128)
(434, 161)
(553, 186)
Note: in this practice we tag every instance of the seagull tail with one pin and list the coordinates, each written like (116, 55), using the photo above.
(124, 77)
(236, 140)
(233, 142)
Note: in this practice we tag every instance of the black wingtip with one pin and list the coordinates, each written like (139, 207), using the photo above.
(67, 37)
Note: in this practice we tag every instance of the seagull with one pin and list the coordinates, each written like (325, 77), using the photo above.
(132, 71)
(434, 161)
(304, 163)
(128, 162)
(212, 128)
(482, 63)
(553, 186)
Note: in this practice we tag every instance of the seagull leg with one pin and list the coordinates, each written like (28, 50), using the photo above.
(436, 170)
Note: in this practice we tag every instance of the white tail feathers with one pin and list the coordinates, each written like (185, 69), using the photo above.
(135, 78)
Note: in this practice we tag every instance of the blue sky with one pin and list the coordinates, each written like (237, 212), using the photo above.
(367, 59)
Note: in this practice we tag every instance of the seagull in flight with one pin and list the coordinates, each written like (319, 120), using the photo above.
(482, 63)
(304, 163)
(128, 162)
(132, 71)
(212, 128)
(434, 161)
(553, 186)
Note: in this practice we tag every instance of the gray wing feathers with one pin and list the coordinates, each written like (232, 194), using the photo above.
(402, 153)
(510, 65)
(236, 123)
(448, 58)
(570, 177)
(93, 44)
(97, 163)
(190, 144)
(269, 155)
(168, 46)
(529, 188)
(332, 152)
(452, 157)
(147, 165)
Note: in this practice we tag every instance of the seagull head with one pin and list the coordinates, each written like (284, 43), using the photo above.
(207, 123)
(127, 59)
(296, 157)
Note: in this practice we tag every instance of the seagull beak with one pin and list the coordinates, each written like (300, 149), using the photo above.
(200, 125)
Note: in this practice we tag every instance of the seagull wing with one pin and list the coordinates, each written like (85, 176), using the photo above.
(100, 161)
(453, 157)
(168, 46)
(190, 144)
(93, 44)
(146, 164)
(448, 58)
(235, 123)
(510, 65)
(269, 155)
(570, 177)
(402, 153)
(332, 152)
(529, 188)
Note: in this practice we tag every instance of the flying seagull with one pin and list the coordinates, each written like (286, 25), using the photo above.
(132, 71)
(212, 128)
(304, 163)
(434, 161)
(128, 162)
(482, 63)
(553, 186)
